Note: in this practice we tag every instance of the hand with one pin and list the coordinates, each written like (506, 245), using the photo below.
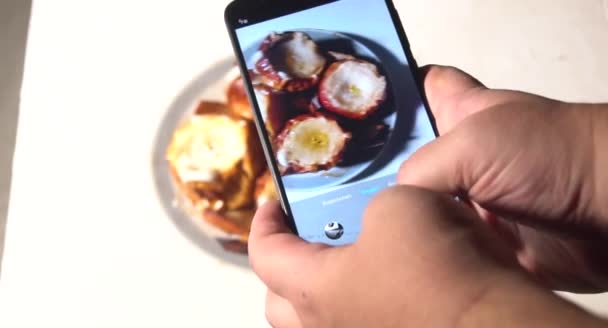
(531, 160)
(422, 260)
(418, 252)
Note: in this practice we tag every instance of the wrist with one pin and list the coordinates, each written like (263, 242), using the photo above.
(515, 301)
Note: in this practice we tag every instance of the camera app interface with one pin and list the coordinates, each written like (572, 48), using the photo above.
(341, 109)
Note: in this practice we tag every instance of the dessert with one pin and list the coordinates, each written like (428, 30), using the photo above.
(352, 88)
(272, 108)
(291, 61)
(215, 157)
(316, 105)
(238, 102)
(311, 143)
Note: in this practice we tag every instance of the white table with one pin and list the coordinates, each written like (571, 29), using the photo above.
(87, 242)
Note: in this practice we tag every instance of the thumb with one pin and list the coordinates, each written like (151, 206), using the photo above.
(450, 92)
(281, 259)
(453, 95)
(446, 164)
(438, 166)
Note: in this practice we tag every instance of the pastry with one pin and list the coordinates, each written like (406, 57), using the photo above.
(236, 96)
(215, 157)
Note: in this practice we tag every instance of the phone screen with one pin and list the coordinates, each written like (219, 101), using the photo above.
(340, 107)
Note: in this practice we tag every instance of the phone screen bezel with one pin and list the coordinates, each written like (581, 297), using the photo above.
(257, 11)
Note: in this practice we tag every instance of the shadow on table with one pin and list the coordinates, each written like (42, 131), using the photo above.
(14, 23)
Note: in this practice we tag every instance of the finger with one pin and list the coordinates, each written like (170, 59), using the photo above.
(460, 158)
(269, 220)
(280, 313)
(449, 92)
(565, 264)
(434, 168)
(453, 96)
(437, 166)
(282, 260)
(432, 225)
(423, 215)
(442, 82)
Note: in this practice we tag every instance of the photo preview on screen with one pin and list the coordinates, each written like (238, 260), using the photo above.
(341, 108)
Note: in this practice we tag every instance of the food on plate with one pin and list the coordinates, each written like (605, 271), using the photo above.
(217, 163)
(238, 102)
(211, 107)
(272, 108)
(290, 61)
(232, 222)
(312, 100)
(311, 143)
(215, 158)
(340, 56)
(317, 107)
(265, 190)
(352, 88)
(367, 142)
(258, 79)
(277, 107)
(233, 246)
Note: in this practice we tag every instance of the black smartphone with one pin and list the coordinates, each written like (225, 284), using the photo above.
(338, 104)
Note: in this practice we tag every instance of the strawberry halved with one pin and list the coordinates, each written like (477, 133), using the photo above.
(352, 88)
(291, 61)
(311, 143)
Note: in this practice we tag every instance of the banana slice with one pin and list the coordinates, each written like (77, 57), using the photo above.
(311, 143)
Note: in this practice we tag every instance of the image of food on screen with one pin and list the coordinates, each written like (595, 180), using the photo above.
(324, 99)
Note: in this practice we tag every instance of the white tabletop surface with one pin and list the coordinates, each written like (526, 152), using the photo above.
(87, 242)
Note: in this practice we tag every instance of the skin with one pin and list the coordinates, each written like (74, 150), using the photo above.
(535, 162)
(531, 168)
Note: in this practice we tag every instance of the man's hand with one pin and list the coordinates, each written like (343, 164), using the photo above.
(422, 260)
(535, 162)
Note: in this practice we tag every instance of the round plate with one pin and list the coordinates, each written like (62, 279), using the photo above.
(210, 85)
(338, 42)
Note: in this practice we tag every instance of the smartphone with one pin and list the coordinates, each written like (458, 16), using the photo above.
(338, 104)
